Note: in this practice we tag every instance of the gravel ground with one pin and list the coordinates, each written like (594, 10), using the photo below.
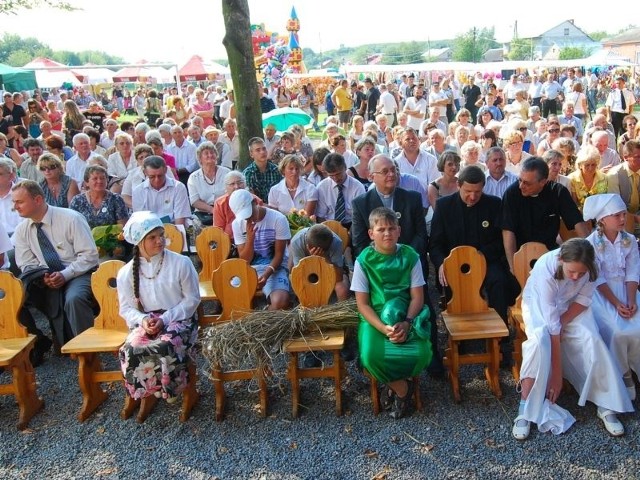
(446, 440)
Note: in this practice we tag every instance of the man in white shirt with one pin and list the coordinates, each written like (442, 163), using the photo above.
(184, 153)
(163, 196)
(58, 239)
(330, 188)
(232, 139)
(438, 99)
(416, 108)
(108, 137)
(415, 161)
(535, 92)
(510, 89)
(77, 164)
(567, 85)
(387, 104)
(9, 218)
(608, 156)
(619, 104)
(498, 179)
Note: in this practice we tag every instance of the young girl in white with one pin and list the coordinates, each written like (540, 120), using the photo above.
(615, 305)
(563, 342)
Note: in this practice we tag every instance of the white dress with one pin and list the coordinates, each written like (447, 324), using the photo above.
(599, 381)
(618, 262)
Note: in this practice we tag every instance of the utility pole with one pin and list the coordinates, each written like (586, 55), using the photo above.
(473, 47)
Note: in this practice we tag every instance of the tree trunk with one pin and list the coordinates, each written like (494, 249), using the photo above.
(237, 41)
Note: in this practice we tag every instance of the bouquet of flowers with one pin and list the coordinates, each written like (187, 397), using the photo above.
(298, 219)
(109, 240)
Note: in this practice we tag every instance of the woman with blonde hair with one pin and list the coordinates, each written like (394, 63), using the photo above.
(512, 144)
(72, 120)
(567, 147)
(587, 179)
(122, 161)
(293, 191)
(58, 187)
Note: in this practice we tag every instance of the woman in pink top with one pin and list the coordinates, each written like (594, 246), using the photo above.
(202, 108)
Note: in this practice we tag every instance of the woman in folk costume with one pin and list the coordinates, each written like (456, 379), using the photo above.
(563, 342)
(615, 305)
(158, 294)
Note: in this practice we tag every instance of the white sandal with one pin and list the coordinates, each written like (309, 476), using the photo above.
(611, 422)
(521, 428)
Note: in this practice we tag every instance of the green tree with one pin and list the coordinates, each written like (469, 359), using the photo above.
(521, 49)
(18, 58)
(12, 6)
(470, 46)
(599, 35)
(237, 41)
(12, 43)
(360, 54)
(569, 53)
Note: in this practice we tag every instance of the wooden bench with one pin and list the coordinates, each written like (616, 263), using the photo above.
(313, 281)
(15, 346)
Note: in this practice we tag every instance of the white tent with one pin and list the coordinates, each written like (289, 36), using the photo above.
(51, 78)
(94, 76)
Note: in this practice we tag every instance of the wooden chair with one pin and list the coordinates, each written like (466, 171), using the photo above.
(212, 246)
(313, 280)
(337, 228)
(175, 240)
(234, 282)
(523, 261)
(468, 317)
(565, 233)
(630, 223)
(107, 335)
(15, 346)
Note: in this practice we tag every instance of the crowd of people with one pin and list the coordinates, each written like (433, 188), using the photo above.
(410, 170)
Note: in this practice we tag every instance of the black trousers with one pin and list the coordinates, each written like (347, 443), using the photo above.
(616, 121)
(549, 107)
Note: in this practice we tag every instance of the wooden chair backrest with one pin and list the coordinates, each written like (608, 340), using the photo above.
(465, 269)
(337, 228)
(11, 298)
(212, 246)
(105, 291)
(630, 223)
(175, 242)
(313, 280)
(235, 283)
(525, 258)
(565, 233)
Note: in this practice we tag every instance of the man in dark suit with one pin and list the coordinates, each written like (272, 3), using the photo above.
(472, 218)
(385, 193)
(413, 228)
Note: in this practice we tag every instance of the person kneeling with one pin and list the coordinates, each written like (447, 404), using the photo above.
(393, 335)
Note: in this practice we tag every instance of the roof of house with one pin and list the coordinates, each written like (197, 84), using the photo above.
(436, 52)
(494, 55)
(629, 36)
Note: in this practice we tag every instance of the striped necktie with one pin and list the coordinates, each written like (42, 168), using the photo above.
(341, 211)
(48, 252)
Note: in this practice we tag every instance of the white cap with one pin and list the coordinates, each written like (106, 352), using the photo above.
(240, 203)
(139, 225)
(599, 206)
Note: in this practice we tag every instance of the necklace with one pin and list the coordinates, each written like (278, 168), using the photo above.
(207, 180)
(292, 189)
(157, 271)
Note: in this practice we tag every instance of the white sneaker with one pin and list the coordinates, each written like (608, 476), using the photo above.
(521, 428)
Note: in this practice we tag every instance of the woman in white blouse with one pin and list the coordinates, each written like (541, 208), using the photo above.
(122, 161)
(206, 184)
(293, 191)
(158, 295)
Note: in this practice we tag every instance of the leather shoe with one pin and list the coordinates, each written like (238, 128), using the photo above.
(611, 422)
(521, 428)
(42, 346)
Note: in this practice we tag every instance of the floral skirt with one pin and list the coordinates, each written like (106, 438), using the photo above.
(158, 365)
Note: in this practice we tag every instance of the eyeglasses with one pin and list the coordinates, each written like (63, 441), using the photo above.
(386, 171)
(48, 168)
(523, 129)
(554, 130)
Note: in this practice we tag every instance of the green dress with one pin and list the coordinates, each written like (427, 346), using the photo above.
(389, 279)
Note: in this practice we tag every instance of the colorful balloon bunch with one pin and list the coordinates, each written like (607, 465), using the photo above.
(277, 56)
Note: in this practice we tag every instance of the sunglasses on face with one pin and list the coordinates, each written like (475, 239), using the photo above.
(48, 168)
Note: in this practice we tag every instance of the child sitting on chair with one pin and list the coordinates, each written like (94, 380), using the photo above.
(393, 335)
(563, 342)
